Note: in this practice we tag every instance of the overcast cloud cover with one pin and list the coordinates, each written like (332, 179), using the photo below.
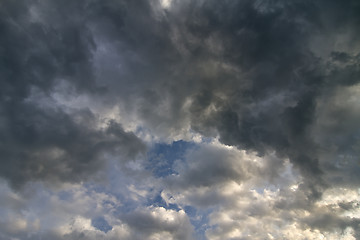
(179, 119)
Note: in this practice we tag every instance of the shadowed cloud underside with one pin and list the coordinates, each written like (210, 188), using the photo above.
(169, 119)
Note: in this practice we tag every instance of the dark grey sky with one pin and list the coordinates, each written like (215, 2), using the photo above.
(250, 111)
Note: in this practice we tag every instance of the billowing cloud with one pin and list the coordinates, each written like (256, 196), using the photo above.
(179, 119)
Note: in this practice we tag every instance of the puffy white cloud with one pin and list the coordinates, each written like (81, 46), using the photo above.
(269, 203)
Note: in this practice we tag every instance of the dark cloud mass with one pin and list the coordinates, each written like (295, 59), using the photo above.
(48, 143)
(85, 82)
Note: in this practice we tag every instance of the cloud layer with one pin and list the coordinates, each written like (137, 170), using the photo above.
(177, 119)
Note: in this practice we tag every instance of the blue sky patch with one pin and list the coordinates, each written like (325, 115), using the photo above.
(162, 156)
(101, 224)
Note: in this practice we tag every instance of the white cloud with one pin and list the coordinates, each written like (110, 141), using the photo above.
(269, 203)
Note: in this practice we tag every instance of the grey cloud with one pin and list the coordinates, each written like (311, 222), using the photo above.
(229, 59)
(264, 50)
(263, 75)
(209, 166)
(39, 52)
(336, 133)
(50, 145)
(270, 53)
(149, 222)
(329, 222)
(257, 82)
(43, 44)
(210, 171)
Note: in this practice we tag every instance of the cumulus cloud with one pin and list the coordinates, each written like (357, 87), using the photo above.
(273, 201)
(72, 212)
(50, 145)
(267, 92)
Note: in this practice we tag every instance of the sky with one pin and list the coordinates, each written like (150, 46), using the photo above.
(179, 119)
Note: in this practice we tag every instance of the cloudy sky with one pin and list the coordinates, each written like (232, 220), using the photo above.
(179, 119)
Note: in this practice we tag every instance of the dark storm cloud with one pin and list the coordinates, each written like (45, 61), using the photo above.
(36, 53)
(268, 100)
(264, 76)
(42, 45)
(49, 145)
(271, 101)
(256, 73)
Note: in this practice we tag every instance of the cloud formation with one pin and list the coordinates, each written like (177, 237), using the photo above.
(180, 119)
